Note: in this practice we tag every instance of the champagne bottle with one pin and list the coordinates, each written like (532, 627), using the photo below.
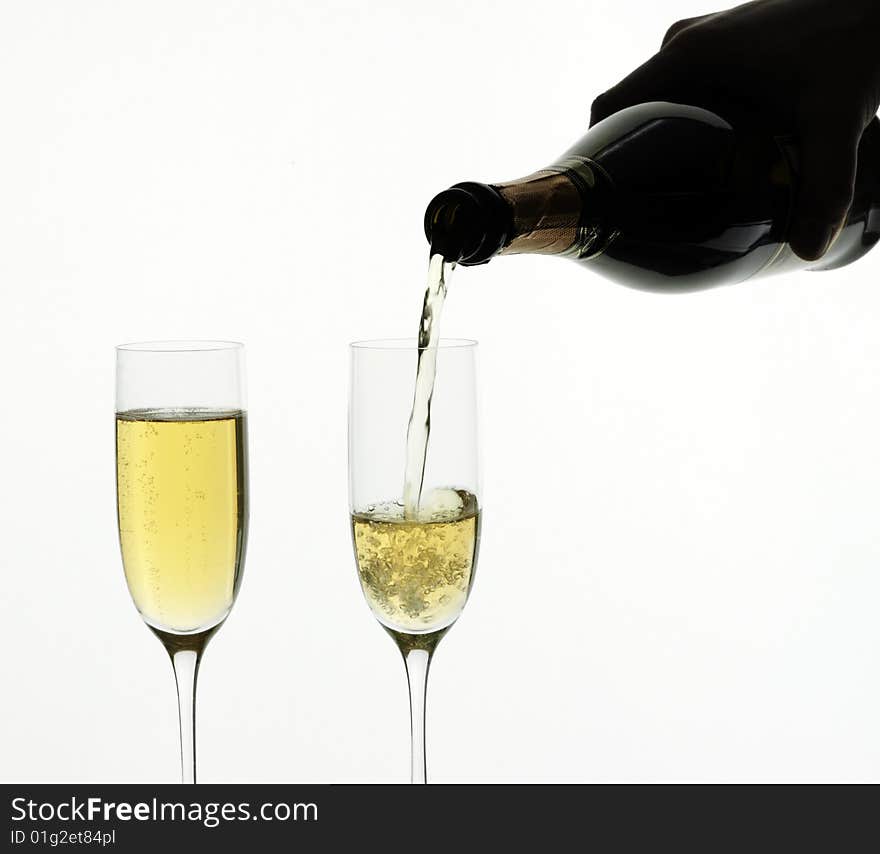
(660, 196)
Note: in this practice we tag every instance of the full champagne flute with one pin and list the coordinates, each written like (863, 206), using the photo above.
(416, 557)
(181, 485)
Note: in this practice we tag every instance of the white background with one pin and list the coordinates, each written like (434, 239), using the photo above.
(679, 571)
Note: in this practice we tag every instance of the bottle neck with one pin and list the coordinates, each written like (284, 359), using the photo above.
(546, 211)
(551, 212)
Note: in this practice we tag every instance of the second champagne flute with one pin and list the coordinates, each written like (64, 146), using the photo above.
(416, 564)
(181, 475)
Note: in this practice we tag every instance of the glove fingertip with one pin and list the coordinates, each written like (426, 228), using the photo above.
(811, 238)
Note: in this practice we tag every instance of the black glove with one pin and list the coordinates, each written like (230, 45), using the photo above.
(809, 69)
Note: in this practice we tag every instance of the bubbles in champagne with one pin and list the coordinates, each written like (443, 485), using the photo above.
(416, 573)
(181, 487)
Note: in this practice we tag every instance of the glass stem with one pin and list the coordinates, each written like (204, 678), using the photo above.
(417, 651)
(417, 662)
(186, 670)
(186, 656)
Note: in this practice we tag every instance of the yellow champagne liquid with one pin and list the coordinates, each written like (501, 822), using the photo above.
(416, 573)
(181, 478)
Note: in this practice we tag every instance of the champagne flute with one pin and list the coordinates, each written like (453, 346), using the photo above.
(181, 485)
(416, 565)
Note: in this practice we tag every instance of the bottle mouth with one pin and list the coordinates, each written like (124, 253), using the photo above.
(468, 223)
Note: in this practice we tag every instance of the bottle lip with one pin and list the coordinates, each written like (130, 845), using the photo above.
(468, 223)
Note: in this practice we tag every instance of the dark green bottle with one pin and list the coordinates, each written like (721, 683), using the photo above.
(659, 196)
